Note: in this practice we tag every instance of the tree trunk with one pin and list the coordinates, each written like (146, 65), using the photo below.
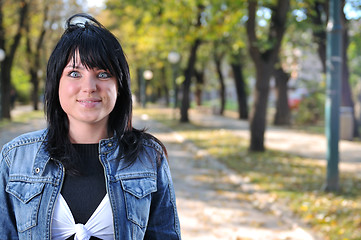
(199, 75)
(319, 31)
(141, 88)
(239, 82)
(138, 91)
(259, 114)
(34, 56)
(222, 86)
(282, 116)
(9, 58)
(241, 90)
(6, 88)
(35, 81)
(165, 88)
(3, 82)
(264, 62)
(188, 73)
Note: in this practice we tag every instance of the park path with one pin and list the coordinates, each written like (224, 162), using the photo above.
(288, 140)
(213, 202)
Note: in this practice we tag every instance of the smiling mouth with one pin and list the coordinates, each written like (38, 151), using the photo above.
(87, 101)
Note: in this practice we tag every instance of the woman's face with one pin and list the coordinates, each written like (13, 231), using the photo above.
(87, 96)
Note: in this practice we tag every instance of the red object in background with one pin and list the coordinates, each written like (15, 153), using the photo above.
(294, 103)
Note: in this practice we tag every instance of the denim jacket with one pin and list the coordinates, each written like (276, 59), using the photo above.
(141, 195)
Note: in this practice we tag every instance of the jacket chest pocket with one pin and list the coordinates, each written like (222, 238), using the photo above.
(138, 199)
(26, 201)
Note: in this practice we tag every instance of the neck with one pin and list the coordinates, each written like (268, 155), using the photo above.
(87, 133)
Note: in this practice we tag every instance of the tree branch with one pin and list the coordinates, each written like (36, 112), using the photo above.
(251, 30)
(277, 27)
(23, 13)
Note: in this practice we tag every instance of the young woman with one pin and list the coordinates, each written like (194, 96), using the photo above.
(90, 174)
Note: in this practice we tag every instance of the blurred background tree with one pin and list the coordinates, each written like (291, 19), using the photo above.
(24, 26)
(12, 21)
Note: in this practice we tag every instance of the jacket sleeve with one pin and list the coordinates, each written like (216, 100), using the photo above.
(7, 219)
(163, 220)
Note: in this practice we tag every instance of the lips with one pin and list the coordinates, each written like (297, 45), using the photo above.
(89, 102)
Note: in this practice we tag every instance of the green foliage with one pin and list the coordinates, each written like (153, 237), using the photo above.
(151, 29)
(312, 107)
(148, 31)
(21, 82)
(354, 53)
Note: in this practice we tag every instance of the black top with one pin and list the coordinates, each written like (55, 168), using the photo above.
(84, 192)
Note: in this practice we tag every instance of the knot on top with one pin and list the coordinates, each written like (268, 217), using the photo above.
(81, 233)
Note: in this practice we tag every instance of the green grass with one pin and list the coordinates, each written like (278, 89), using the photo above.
(230, 105)
(291, 179)
(22, 118)
(314, 129)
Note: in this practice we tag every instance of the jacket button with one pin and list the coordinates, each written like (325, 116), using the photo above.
(110, 144)
(37, 170)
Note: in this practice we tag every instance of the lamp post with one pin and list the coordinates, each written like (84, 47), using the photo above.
(332, 108)
(2, 57)
(147, 75)
(173, 58)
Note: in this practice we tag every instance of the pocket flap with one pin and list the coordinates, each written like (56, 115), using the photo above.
(139, 187)
(24, 191)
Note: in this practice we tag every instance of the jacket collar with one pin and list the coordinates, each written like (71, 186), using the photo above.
(42, 156)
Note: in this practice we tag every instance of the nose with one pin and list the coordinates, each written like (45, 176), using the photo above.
(89, 84)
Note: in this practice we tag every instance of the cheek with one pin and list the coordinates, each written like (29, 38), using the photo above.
(67, 88)
(113, 95)
(66, 91)
(63, 100)
(62, 93)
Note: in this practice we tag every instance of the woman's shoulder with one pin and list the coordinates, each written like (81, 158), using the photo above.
(153, 143)
(139, 144)
(26, 139)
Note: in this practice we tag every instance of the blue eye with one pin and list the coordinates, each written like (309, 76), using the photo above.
(104, 75)
(74, 74)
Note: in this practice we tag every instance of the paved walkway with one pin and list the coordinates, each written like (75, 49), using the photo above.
(213, 201)
(288, 140)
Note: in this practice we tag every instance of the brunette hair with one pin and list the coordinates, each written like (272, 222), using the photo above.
(97, 48)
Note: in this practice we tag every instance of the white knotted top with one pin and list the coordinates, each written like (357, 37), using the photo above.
(99, 225)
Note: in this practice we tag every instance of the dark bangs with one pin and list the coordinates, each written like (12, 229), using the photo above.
(95, 50)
